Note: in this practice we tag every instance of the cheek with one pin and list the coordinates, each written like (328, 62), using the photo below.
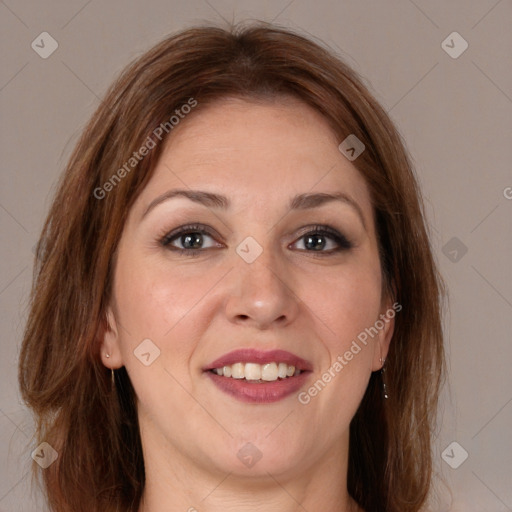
(346, 302)
(345, 305)
(153, 298)
(157, 303)
(167, 305)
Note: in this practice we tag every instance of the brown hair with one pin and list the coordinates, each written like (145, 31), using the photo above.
(95, 431)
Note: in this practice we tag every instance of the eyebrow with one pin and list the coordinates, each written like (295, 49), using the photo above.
(305, 201)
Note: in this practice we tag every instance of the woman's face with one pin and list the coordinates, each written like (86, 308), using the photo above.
(265, 264)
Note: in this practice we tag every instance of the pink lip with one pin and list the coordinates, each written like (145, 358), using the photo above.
(259, 392)
(249, 355)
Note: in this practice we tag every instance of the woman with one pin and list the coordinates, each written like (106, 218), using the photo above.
(235, 303)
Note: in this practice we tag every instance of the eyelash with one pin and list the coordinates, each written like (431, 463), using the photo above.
(343, 243)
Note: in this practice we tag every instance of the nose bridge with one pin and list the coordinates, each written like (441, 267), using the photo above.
(261, 294)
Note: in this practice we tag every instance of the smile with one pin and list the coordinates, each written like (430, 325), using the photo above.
(259, 377)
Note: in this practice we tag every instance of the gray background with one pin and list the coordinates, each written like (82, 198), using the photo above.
(454, 113)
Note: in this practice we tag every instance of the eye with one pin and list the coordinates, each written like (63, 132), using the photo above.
(324, 239)
(189, 239)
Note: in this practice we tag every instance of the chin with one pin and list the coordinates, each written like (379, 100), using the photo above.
(258, 455)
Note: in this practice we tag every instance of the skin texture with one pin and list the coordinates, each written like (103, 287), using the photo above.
(197, 308)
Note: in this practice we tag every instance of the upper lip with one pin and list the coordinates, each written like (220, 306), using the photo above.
(249, 355)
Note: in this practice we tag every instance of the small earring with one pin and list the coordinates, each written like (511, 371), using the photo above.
(112, 376)
(382, 372)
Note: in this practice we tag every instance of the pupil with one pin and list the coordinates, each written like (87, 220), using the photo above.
(194, 239)
(312, 241)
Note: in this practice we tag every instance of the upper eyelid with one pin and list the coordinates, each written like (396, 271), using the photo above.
(199, 228)
(188, 228)
(329, 231)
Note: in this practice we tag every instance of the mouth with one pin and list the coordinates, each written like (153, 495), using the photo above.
(259, 376)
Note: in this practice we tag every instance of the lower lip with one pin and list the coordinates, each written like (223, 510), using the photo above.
(259, 392)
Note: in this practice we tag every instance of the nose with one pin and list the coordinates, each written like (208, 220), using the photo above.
(261, 294)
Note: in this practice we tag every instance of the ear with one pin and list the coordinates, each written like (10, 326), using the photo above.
(386, 326)
(108, 335)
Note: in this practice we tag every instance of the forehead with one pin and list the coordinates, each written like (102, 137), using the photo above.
(257, 151)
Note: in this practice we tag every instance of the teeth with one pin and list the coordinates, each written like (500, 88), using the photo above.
(269, 372)
(252, 371)
(258, 372)
(237, 371)
(282, 370)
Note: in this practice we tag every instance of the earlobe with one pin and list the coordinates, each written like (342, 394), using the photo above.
(108, 334)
